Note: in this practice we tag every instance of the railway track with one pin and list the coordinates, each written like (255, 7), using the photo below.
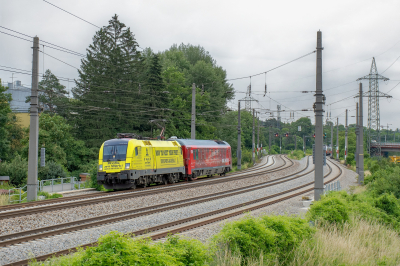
(213, 216)
(120, 196)
(24, 236)
(101, 194)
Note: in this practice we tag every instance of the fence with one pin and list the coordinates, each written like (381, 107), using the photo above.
(50, 185)
(60, 184)
(334, 186)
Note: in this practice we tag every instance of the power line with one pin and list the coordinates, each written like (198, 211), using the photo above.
(272, 68)
(78, 17)
(59, 60)
(391, 64)
(64, 49)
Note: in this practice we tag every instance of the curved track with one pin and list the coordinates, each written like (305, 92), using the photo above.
(119, 196)
(218, 215)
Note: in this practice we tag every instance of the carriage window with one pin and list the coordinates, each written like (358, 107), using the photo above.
(194, 154)
(136, 151)
(197, 154)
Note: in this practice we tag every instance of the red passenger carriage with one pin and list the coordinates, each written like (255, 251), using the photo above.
(205, 157)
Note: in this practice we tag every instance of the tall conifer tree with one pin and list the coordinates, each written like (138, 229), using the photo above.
(107, 92)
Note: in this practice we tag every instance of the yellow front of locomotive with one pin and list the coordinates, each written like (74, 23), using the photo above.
(115, 164)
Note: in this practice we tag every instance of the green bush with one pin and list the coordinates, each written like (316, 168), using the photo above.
(17, 170)
(272, 236)
(329, 209)
(350, 159)
(117, 249)
(52, 170)
(48, 196)
(389, 204)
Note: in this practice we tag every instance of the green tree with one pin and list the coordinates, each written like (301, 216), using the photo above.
(108, 92)
(52, 96)
(5, 112)
(61, 147)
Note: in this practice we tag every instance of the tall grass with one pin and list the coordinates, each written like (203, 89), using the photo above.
(357, 243)
(3, 199)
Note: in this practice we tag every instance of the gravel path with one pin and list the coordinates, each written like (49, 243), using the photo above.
(34, 221)
(52, 244)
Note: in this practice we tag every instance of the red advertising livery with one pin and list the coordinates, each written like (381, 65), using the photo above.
(205, 157)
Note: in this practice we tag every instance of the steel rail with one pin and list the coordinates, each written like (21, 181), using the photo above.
(58, 229)
(198, 224)
(101, 194)
(73, 204)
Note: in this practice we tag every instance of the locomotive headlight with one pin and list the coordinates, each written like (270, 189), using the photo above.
(127, 165)
(100, 167)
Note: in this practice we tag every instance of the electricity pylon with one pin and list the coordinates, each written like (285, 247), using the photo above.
(374, 118)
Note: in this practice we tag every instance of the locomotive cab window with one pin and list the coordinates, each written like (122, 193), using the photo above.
(136, 151)
(115, 152)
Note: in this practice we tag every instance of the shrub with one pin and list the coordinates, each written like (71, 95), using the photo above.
(329, 209)
(17, 170)
(350, 159)
(271, 237)
(52, 170)
(117, 249)
(48, 196)
(389, 204)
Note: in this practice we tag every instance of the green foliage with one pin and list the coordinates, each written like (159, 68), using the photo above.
(350, 159)
(16, 169)
(53, 94)
(297, 154)
(61, 147)
(329, 209)
(272, 236)
(117, 249)
(339, 207)
(52, 170)
(50, 196)
(5, 111)
(385, 178)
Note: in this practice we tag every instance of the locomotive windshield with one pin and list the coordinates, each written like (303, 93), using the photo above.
(114, 152)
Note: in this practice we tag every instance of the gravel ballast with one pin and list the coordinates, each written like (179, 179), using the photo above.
(34, 221)
(56, 243)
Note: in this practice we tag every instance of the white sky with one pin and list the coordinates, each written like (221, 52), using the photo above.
(245, 38)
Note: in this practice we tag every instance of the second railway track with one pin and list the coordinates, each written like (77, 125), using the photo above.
(213, 216)
(120, 196)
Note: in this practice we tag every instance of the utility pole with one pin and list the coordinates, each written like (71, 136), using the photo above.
(258, 137)
(269, 139)
(295, 142)
(319, 113)
(34, 126)
(332, 140)
(361, 134)
(356, 156)
(337, 139)
(304, 144)
(193, 125)
(239, 147)
(345, 140)
(253, 145)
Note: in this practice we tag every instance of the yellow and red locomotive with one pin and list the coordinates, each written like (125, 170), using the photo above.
(127, 162)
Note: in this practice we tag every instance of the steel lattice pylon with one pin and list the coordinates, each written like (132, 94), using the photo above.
(374, 119)
(248, 99)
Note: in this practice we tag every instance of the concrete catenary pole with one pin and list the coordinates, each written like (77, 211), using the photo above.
(332, 140)
(337, 139)
(193, 125)
(361, 140)
(304, 144)
(258, 137)
(253, 146)
(34, 126)
(357, 140)
(269, 152)
(319, 113)
(239, 144)
(345, 139)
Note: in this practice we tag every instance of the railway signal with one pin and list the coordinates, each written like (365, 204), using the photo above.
(313, 135)
(276, 134)
(286, 134)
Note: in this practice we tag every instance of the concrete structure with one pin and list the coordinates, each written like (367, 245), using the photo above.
(18, 105)
(4, 180)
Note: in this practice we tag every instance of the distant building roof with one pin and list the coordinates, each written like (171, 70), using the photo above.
(4, 178)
